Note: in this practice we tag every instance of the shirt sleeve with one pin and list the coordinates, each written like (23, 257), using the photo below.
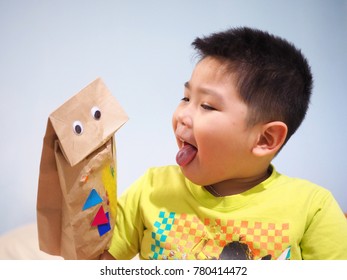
(128, 230)
(325, 237)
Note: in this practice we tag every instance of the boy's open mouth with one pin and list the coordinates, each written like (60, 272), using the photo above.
(186, 154)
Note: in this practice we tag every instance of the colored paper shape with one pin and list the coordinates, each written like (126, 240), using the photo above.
(100, 217)
(92, 200)
(105, 227)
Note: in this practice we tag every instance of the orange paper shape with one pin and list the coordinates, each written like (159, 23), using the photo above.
(100, 217)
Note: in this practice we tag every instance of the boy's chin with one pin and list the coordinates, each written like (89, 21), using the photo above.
(193, 175)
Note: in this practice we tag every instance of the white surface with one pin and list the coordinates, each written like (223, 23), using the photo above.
(22, 244)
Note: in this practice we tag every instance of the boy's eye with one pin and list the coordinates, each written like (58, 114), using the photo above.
(185, 99)
(207, 107)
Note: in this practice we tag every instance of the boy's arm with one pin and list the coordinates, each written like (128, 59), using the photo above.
(325, 237)
(128, 229)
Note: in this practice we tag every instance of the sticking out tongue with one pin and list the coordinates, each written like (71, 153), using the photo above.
(186, 154)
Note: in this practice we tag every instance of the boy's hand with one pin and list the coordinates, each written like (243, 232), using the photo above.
(106, 256)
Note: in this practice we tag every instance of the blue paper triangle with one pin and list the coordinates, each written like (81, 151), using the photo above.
(105, 227)
(92, 200)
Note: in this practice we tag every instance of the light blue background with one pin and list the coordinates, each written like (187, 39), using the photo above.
(49, 50)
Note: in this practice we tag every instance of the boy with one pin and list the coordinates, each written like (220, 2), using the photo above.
(247, 95)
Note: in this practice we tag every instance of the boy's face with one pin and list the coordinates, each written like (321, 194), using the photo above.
(212, 118)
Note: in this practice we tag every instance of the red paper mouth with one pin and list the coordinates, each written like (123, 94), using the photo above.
(186, 154)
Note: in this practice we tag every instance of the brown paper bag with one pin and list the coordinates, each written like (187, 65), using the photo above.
(77, 190)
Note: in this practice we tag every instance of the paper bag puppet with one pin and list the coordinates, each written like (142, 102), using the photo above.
(77, 193)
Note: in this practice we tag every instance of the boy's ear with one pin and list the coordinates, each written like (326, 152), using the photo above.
(271, 138)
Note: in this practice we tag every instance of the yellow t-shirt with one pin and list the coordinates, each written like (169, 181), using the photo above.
(165, 216)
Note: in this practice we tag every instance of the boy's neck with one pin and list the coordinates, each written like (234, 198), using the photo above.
(237, 186)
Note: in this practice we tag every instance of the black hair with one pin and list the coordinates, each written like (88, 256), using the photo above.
(272, 76)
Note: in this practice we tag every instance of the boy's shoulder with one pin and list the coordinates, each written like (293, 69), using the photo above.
(298, 186)
(164, 169)
(278, 183)
(166, 173)
(277, 178)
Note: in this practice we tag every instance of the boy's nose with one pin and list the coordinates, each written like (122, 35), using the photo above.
(184, 117)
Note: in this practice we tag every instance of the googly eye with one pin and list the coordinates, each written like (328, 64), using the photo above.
(77, 127)
(96, 113)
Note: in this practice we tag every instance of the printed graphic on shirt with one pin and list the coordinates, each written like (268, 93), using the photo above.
(180, 236)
